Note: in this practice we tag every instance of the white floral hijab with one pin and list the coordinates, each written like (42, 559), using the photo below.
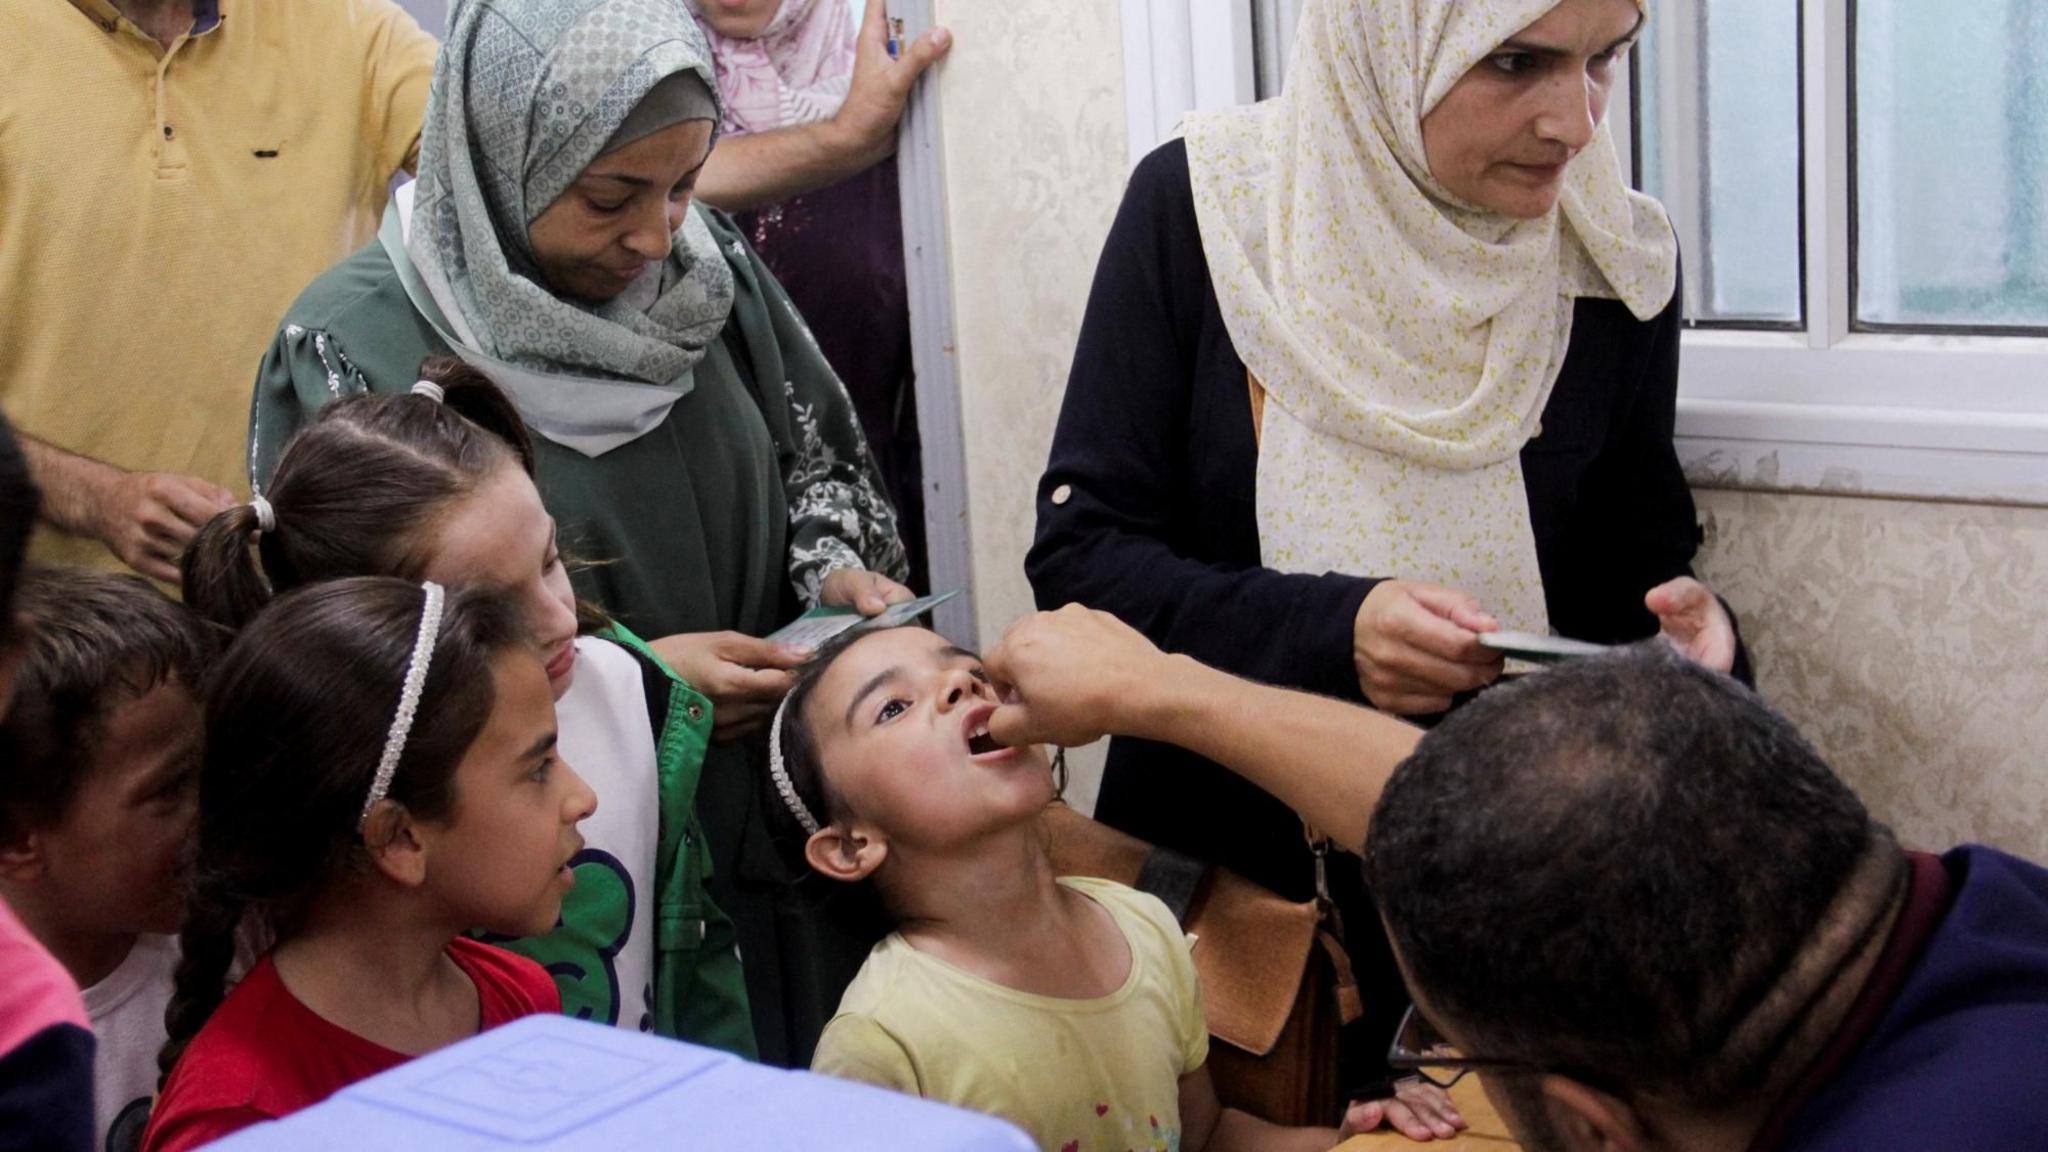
(526, 94)
(1407, 342)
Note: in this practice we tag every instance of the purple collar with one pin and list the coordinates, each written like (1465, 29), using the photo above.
(1928, 893)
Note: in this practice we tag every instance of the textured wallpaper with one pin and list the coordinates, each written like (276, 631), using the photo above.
(1033, 128)
(1908, 640)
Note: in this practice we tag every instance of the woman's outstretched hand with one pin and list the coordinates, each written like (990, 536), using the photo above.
(1070, 677)
(868, 592)
(1693, 618)
(1417, 645)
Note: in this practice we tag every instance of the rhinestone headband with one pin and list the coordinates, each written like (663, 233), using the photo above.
(408, 698)
(778, 771)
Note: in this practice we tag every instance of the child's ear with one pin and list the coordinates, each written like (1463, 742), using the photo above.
(395, 844)
(21, 855)
(845, 854)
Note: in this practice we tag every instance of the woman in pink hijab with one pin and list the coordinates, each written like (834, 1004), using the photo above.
(795, 77)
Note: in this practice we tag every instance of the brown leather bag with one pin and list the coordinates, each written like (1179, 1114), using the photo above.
(1276, 981)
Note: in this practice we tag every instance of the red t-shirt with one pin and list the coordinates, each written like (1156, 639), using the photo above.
(264, 1054)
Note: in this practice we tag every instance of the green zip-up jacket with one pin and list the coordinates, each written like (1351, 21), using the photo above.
(699, 993)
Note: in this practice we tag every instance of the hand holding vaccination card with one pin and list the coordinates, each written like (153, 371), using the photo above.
(1539, 649)
(813, 628)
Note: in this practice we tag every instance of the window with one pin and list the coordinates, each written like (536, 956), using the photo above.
(1716, 135)
(1949, 179)
(1951, 164)
(1860, 189)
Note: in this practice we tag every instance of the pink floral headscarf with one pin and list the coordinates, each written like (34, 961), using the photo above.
(795, 72)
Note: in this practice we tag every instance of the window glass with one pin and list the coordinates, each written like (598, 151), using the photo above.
(1951, 168)
(1717, 111)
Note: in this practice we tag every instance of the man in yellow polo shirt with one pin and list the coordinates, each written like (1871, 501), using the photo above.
(172, 173)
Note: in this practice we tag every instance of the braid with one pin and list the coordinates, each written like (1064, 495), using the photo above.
(208, 951)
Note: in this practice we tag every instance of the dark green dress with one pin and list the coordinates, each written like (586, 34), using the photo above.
(727, 515)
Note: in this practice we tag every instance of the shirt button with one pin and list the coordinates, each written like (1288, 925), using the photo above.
(1063, 493)
(695, 712)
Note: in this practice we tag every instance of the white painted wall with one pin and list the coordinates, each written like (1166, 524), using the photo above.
(1032, 104)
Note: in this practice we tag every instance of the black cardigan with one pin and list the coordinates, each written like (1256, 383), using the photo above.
(1146, 511)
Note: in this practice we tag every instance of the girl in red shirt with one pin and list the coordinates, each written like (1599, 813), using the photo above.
(380, 778)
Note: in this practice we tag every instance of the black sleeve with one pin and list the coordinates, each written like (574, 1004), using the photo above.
(1118, 499)
(1640, 499)
(46, 1092)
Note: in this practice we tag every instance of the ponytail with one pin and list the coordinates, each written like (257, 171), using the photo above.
(219, 573)
(470, 394)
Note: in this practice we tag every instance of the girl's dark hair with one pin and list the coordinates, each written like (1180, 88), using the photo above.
(297, 712)
(356, 491)
(800, 751)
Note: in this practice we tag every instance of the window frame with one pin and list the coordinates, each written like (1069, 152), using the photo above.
(1628, 135)
(1832, 407)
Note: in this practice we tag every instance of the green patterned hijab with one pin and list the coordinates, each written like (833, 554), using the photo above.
(526, 94)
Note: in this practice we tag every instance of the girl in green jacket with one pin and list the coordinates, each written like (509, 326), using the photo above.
(436, 484)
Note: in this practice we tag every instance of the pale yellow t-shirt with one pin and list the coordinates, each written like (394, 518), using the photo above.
(1098, 1075)
(159, 210)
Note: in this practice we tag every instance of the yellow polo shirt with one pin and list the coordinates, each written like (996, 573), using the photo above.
(159, 209)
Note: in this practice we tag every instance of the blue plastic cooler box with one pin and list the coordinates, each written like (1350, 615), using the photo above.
(551, 1084)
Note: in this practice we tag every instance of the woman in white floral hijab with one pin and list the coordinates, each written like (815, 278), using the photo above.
(1369, 369)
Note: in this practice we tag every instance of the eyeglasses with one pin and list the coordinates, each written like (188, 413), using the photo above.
(1419, 1048)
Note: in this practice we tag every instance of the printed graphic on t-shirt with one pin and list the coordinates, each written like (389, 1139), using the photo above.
(125, 1134)
(1157, 1138)
(582, 952)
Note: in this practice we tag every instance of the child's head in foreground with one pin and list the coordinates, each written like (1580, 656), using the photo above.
(881, 757)
(99, 758)
(472, 826)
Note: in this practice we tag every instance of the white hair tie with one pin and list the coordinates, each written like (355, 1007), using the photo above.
(266, 516)
(779, 773)
(408, 699)
(430, 390)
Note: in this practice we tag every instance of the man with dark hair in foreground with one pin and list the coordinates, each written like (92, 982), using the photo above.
(1638, 900)
(1631, 897)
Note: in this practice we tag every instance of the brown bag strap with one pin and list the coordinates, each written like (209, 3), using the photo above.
(1350, 1005)
(1330, 932)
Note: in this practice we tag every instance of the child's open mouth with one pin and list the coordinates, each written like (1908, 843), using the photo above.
(980, 743)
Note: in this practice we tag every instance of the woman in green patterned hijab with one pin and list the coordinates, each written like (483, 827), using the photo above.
(693, 444)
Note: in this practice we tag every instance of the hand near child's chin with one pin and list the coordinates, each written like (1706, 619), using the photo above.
(1070, 677)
